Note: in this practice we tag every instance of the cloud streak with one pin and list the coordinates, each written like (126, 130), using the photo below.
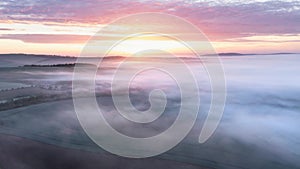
(222, 21)
(46, 38)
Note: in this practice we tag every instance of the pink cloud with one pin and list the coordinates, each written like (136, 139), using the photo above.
(219, 21)
(45, 38)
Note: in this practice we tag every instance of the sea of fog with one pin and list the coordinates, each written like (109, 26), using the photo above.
(259, 128)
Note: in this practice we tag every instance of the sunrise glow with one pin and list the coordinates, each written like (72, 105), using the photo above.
(31, 30)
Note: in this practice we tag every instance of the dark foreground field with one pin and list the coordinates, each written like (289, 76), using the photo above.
(17, 152)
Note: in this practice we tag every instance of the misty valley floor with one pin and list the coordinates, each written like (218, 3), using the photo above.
(39, 128)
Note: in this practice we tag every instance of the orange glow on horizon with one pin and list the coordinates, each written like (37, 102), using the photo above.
(70, 38)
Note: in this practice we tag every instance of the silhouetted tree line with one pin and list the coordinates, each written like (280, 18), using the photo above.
(53, 65)
(16, 88)
(29, 100)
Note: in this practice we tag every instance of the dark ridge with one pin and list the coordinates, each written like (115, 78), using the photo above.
(283, 53)
(233, 54)
(247, 54)
(59, 65)
(54, 65)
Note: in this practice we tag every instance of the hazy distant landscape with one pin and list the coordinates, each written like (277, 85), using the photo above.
(149, 84)
(259, 129)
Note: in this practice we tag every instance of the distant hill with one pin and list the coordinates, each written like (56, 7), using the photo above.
(247, 54)
(233, 54)
(54, 65)
(17, 60)
(60, 65)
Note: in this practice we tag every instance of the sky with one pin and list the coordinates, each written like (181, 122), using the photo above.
(62, 27)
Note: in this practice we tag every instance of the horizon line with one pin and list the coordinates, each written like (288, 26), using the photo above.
(219, 54)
